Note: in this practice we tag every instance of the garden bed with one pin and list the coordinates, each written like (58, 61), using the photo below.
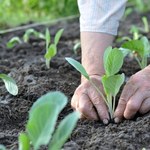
(25, 63)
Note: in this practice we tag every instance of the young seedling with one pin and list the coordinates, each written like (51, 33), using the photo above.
(33, 32)
(51, 48)
(113, 60)
(13, 41)
(40, 128)
(76, 47)
(140, 50)
(10, 84)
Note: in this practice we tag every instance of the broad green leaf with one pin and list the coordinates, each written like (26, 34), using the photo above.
(57, 36)
(113, 61)
(51, 52)
(146, 46)
(24, 142)
(14, 41)
(10, 84)
(2, 147)
(43, 116)
(112, 83)
(78, 67)
(135, 46)
(48, 38)
(63, 131)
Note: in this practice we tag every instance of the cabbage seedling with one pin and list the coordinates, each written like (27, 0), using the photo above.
(10, 84)
(113, 60)
(140, 50)
(40, 128)
(51, 48)
(13, 41)
(33, 32)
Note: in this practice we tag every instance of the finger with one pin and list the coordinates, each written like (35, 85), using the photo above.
(134, 103)
(145, 107)
(127, 92)
(74, 101)
(100, 106)
(86, 108)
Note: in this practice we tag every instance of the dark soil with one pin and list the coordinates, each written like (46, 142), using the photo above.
(25, 63)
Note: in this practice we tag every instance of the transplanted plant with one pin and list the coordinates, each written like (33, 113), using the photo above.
(40, 128)
(140, 50)
(13, 41)
(16, 40)
(111, 81)
(33, 32)
(51, 48)
(10, 84)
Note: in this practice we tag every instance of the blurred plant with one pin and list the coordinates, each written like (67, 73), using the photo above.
(51, 48)
(40, 128)
(141, 6)
(13, 41)
(28, 33)
(10, 84)
(140, 50)
(34, 10)
(137, 32)
(76, 47)
(32, 32)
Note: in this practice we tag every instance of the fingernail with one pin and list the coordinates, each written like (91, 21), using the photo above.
(117, 120)
(105, 121)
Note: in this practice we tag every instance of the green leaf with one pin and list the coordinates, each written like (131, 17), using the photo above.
(14, 41)
(125, 51)
(52, 50)
(63, 131)
(112, 83)
(78, 67)
(10, 84)
(146, 44)
(113, 60)
(48, 38)
(2, 147)
(43, 116)
(57, 36)
(135, 46)
(24, 142)
(28, 33)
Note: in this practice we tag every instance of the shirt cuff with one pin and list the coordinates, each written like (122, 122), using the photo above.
(101, 15)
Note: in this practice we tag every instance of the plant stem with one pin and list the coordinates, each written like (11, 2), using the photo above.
(47, 61)
(140, 64)
(97, 89)
(114, 103)
(110, 106)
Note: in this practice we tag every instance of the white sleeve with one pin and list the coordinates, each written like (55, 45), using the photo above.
(101, 15)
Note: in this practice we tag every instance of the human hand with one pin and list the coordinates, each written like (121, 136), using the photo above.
(135, 96)
(88, 101)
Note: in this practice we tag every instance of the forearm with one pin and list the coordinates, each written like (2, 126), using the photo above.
(93, 47)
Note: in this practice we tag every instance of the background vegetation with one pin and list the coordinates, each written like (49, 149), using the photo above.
(15, 12)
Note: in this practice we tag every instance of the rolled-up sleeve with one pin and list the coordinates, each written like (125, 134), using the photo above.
(101, 15)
